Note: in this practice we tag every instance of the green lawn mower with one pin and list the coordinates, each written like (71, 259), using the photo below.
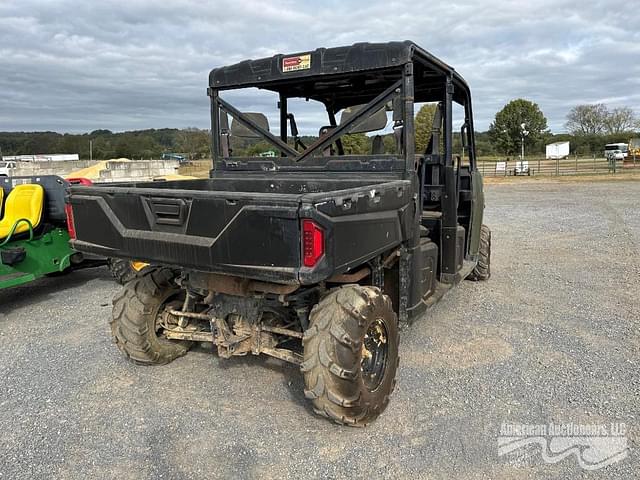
(35, 231)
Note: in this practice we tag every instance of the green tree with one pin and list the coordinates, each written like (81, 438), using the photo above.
(194, 142)
(506, 130)
(424, 125)
(356, 144)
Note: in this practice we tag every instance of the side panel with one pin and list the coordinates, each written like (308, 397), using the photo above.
(26, 260)
(359, 224)
(423, 276)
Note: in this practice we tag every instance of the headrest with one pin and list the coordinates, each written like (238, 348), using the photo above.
(376, 121)
(239, 130)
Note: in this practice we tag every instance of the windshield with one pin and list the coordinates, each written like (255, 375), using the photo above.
(616, 146)
(3, 164)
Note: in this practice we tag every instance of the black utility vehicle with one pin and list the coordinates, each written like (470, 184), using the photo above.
(312, 256)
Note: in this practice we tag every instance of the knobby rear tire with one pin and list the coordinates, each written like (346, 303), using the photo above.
(134, 319)
(333, 351)
(121, 270)
(482, 270)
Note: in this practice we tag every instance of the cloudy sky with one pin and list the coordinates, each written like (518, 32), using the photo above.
(76, 66)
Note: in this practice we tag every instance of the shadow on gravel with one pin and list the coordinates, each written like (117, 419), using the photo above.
(45, 288)
(292, 379)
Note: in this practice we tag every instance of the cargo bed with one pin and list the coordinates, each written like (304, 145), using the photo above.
(249, 227)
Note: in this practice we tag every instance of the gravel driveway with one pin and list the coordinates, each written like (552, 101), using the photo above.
(552, 337)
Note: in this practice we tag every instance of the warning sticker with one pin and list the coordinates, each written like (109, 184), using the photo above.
(299, 62)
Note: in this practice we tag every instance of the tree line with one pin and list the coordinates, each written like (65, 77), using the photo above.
(589, 128)
(104, 144)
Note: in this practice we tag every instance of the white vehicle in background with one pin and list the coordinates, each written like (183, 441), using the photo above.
(616, 151)
(6, 168)
(557, 150)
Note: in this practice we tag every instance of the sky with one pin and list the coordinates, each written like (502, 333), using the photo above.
(78, 66)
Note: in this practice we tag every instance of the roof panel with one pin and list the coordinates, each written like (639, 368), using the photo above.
(300, 73)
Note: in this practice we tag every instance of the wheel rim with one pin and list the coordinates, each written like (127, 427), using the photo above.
(374, 355)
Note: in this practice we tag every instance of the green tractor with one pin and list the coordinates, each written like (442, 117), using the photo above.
(34, 231)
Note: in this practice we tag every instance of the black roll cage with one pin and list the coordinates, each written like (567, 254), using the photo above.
(433, 82)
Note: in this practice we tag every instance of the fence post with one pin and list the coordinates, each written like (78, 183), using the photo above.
(576, 163)
(594, 162)
(538, 166)
(483, 168)
(557, 166)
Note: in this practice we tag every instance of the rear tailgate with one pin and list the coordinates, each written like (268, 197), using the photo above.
(255, 235)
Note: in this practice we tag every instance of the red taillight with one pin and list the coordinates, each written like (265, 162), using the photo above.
(312, 243)
(79, 181)
(71, 226)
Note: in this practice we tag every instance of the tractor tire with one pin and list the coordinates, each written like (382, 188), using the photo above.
(482, 270)
(351, 355)
(134, 323)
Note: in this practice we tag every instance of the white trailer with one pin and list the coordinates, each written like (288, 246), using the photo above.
(557, 150)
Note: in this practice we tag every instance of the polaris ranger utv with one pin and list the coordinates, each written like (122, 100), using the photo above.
(312, 256)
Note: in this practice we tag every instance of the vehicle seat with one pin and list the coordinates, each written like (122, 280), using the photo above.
(377, 145)
(23, 202)
(1, 199)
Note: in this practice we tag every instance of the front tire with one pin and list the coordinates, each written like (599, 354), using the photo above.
(482, 270)
(136, 314)
(351, 355)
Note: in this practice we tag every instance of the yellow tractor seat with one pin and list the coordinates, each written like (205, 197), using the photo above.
(24, 202)
(1, 198)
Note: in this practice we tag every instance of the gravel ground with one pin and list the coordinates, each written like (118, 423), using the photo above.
(552, 337)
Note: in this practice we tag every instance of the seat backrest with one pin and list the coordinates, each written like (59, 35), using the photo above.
(23, 202)
(1, 199)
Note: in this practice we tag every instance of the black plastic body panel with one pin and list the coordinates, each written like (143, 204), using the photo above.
(424, 264)
(247, 226)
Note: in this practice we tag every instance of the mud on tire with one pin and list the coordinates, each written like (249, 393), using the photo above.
(134, 319)
(482, 271)
(335, 344)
